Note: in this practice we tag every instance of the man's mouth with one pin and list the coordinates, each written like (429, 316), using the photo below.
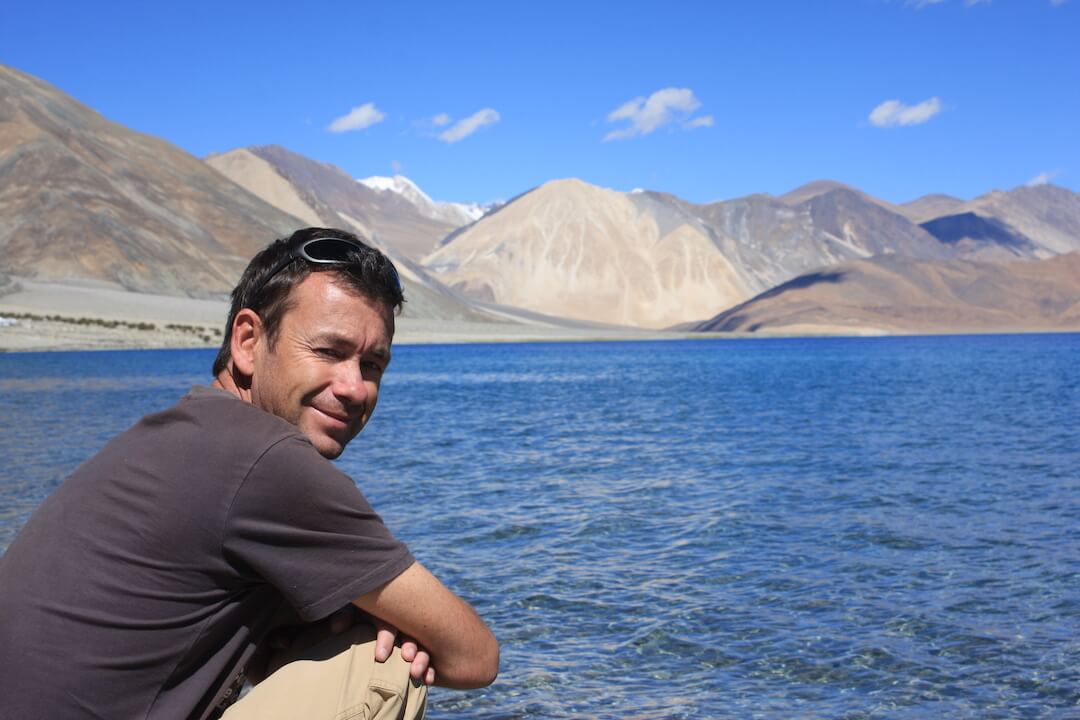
(338, 417)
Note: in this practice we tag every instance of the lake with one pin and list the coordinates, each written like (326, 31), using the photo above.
(840, 528)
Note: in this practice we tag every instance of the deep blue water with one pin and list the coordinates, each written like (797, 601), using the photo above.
(841, 528)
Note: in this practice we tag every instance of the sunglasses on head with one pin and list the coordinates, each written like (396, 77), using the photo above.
(322, 251)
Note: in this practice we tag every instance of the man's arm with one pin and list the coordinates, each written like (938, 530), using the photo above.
(464, 652)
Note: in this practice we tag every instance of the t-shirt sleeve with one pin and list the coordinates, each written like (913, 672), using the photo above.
(300, 524)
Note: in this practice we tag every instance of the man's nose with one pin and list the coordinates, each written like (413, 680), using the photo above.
(349, 384)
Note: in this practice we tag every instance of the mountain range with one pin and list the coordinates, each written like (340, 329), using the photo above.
(88, 201)
(650, 259)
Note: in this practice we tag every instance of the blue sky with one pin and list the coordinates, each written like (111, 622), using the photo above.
(477, 101)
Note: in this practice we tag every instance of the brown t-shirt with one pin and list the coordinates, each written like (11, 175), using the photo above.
(141, 583)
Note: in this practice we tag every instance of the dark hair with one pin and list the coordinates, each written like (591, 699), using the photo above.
(367, 272)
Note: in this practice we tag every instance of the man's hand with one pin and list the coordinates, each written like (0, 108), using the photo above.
(450, 631)
(385, 635)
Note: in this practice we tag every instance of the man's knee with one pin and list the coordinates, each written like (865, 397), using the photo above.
(334, 677)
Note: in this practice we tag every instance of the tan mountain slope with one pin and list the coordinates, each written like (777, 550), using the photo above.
(86, 199)
(811, 190)
(572, 249)
(899, 294)
(326, 195)
(1047, 214)
(929, 207)
(773, 241)
(261, 179)
(817, 188)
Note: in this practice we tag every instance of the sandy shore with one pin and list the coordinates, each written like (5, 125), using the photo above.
(96, 317)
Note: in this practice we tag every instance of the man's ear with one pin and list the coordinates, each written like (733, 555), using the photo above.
(247, 332)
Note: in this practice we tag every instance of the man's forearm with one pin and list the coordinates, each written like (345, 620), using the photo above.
(464, 651)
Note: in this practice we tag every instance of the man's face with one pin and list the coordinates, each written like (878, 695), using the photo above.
(324, 370)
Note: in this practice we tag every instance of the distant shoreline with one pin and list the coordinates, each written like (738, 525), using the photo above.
(66, 336)
(72, 317)
(50, 317)
(53, 334)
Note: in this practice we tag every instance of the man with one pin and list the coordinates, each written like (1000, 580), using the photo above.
(143, 586)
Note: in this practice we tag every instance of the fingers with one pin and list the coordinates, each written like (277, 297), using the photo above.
(420, 666)
(419, 660)
(384, 640)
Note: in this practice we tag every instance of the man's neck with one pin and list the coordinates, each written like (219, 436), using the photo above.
(225, 381)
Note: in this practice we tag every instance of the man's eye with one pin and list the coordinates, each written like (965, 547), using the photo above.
(329, 352)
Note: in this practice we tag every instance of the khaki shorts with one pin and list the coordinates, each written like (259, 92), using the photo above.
(335, 678)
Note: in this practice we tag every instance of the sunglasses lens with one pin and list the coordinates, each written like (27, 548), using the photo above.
(328, 250)
(333, 250)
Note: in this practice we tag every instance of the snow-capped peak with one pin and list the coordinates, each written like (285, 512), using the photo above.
(454, 213)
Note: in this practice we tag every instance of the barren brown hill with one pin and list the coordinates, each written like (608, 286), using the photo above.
(817, 188)
(324, 194)
(86, 199)
(929, 207)
(895, 294)
(1047, 215)
(576, 250)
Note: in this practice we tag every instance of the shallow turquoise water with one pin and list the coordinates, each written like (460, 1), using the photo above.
(850, 528)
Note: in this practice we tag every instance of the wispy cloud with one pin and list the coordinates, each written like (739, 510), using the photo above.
(1043, 178)
(663, 107)
(358, 118)
(893, 112)
(464, 128)
(1058, 3)
(440, 120)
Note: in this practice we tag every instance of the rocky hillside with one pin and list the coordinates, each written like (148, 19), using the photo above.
(326, 195)
(889, 294)
(572, 249)
(86, 199)
(1043, 219)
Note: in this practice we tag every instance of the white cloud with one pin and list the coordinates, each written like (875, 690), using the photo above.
(465, 128)
(358, 118)
(703, 121)
(1043, 178)
(661, 108)
(1058, 3)
(893, 112)
(440, 120)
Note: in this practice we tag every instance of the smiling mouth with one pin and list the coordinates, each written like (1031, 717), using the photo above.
(343, 419)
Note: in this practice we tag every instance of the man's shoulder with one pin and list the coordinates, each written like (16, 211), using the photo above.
(214, 408)
(209, 425)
